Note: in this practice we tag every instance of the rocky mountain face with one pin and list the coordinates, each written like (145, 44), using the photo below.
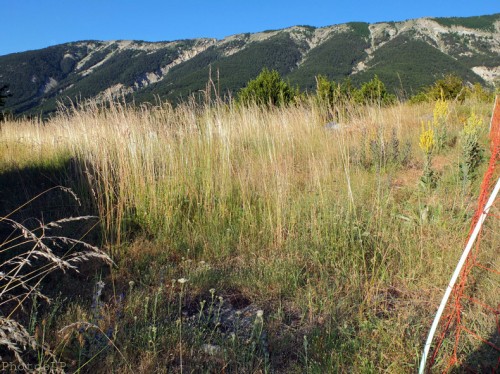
(405, 55)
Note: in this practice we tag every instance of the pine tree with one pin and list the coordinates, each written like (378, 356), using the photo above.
(4, 94)
(268, 89)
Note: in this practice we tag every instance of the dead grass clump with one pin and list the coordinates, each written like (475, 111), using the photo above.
(28, 256)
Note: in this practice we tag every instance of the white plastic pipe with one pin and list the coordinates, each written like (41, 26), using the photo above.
(455, 275)
(497, 104)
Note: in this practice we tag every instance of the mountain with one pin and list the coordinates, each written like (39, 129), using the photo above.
(405, 55)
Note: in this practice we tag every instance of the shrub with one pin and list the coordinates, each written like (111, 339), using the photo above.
(427, 143)
(451, 87)
(478, 93)
(324, 90)
(440, 116)
(332, 93)
(374, 92)
(472, 153)
(267, 89)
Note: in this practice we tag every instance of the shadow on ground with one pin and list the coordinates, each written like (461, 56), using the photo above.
(486, 359)
(20, 185)
(19, 188)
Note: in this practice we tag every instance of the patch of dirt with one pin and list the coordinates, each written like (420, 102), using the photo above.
(408, 177)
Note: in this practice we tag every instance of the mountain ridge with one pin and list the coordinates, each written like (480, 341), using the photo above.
(406, 55)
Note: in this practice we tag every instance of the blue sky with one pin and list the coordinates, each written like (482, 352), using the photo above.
(33, 24)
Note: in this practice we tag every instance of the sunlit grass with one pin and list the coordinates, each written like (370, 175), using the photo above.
(329, 227)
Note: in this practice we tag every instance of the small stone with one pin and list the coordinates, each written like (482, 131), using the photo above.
(333, 126)
(211, 349)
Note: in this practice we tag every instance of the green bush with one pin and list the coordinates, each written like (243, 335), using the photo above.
(480, 94)
(267, 89)
(374, 92)
(371, 92)
(334, 92)
(325, 90)
(451, 87)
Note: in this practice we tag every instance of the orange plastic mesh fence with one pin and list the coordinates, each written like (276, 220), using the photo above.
(462, 341)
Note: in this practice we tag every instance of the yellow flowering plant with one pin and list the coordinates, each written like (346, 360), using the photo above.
(440, 116)
(427, 141)
(473, 125)
(472, 152)
(427, 144)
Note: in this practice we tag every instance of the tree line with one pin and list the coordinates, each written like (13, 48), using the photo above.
(269, 89)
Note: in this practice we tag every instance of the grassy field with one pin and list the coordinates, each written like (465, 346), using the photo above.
(247, 239)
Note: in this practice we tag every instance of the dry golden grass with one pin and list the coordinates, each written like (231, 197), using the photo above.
(329, 226)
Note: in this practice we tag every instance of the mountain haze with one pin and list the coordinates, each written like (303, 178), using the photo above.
(405, 55)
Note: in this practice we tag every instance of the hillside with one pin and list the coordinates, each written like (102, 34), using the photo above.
(406, 55)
